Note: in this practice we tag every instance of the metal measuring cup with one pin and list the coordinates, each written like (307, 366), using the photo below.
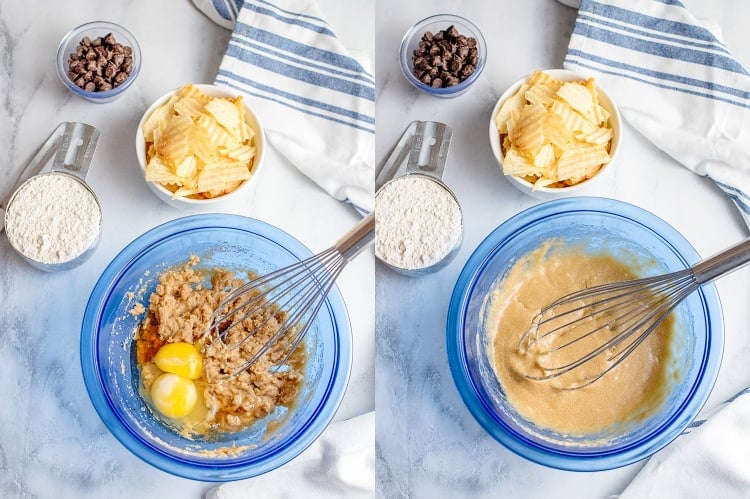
(72, 145)
(421, 151)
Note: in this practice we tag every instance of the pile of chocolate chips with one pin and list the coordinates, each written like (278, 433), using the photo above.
(100, 64)
(445, 59)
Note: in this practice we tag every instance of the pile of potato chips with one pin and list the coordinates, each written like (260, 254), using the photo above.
(199, 146)
(554, 133)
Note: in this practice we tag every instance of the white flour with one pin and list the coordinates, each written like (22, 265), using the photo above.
(52, 218)
(417, 222)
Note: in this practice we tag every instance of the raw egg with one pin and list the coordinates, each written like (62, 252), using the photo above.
(180, 358)
(174, 395)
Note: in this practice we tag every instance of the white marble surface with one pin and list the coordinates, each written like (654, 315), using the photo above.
(428, 443)
(52, 443)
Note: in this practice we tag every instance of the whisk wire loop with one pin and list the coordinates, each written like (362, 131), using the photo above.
(287, 289)
(623, 313)
(293, 341)
(628, 312)
(291, 296)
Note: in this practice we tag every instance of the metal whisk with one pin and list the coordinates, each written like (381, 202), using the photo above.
(610, 321)
(296, 291)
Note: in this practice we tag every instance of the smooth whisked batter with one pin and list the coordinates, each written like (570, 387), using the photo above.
(628, 393)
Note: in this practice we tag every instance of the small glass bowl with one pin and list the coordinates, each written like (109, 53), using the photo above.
(592, 224)
(93, 30)
(411, 40)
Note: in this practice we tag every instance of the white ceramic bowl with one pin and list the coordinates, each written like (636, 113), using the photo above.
(196, 204)
(588, 186)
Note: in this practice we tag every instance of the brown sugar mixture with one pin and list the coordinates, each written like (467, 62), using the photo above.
(628, 393)
(179, 310)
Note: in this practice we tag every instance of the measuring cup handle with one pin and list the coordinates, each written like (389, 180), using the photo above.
(76, 150)
(429, 149)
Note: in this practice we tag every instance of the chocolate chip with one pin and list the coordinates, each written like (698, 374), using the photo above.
(451, 81)
(76, 67)
(111, 70)
(120, 77)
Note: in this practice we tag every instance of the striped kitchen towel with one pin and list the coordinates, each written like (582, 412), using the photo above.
(709, 460)
(316, 103)
(674, 82)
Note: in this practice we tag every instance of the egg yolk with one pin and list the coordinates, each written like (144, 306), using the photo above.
(173, 395)
(180, 358)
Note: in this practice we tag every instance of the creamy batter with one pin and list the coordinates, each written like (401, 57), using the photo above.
(628, 393)
(179, 311)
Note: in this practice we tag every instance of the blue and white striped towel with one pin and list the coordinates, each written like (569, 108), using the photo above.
(316, 102)
(674, 81)
(709, 460)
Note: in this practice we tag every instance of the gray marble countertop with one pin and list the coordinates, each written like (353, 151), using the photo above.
(428, 444)
(52, 443)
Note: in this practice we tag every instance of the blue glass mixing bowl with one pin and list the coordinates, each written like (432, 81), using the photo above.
(648, 244)
(111, 375)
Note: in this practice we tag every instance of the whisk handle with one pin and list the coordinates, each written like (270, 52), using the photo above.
(357, 238)
(723, 262)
